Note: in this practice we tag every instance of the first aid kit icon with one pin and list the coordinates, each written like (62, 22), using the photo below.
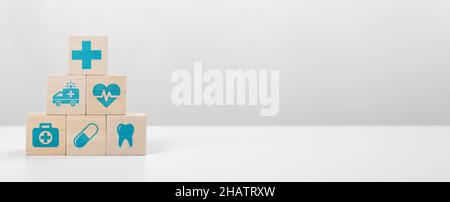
(45, 136)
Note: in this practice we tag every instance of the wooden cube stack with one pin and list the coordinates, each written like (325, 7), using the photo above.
(86, 110)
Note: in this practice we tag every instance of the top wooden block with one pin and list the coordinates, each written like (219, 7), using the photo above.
(88, 55)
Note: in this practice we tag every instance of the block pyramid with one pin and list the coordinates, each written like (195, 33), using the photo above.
(86, 109)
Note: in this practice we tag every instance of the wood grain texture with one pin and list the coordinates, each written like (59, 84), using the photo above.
(57, 85)
(57, 122)
(98, 67)
(139, 138)
(75, 126)
(118, 106)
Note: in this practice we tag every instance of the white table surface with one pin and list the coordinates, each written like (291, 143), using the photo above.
(234, 153)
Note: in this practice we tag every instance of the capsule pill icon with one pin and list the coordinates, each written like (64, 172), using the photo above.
(85, 135)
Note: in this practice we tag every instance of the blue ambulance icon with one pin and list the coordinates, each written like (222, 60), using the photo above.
(69, 95)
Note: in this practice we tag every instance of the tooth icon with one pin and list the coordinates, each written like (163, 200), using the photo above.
(125, 132)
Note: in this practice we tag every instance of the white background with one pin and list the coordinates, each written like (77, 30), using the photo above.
(356, 62)
(361, 62)
(223, 153)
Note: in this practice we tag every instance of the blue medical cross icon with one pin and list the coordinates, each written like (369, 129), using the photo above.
(86, 55)
(46, 137)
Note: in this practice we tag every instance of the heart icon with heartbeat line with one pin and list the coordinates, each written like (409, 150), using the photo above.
(106, 95)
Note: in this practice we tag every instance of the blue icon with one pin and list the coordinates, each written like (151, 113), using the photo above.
(85, 135)
(68, 95)
(86, 55)
(45, 136)
(106, 95)
(125, 132)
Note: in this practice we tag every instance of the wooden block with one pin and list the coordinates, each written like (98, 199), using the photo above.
(66, 95)
(106, 95)
(126, 134)
(88, 55)
(86, 135)
(46, 134)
